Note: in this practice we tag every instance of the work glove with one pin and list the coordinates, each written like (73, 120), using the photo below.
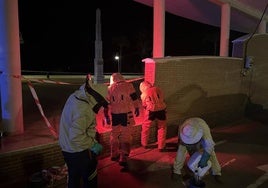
(96, 148)
(137, 112)
(204, 159)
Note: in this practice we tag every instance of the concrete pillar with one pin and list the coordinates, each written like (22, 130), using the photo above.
(262, 27)
(149, 74)
(159, 29)
(225, 29)
(10, 67)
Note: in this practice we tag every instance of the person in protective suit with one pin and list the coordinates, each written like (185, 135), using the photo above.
(123, 101)
(77, 135)
(195, 136)
(152, 99)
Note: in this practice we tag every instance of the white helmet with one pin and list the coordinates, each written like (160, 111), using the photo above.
(190, 131)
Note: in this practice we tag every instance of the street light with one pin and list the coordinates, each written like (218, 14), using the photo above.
(117, 58)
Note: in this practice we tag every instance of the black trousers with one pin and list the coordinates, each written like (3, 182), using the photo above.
(81, 165)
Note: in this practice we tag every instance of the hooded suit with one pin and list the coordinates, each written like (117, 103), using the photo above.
(155, 110)
(123, 100)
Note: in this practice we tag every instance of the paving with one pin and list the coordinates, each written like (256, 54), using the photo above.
(241, 149)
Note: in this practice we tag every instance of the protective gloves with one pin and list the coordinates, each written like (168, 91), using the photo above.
(204, 159)
(97, 148)
(137, 112)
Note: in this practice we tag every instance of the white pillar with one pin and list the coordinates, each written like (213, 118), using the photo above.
(225, 29)
(10, 81)
(159, 29)
(262, 27)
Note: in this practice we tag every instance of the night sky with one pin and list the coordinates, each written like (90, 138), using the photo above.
(59, 35)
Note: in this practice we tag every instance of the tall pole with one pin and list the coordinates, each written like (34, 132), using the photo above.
(120, 60)
(10, 69)
(225, 29)
(159, 29)
(98, 61)
(117, 59)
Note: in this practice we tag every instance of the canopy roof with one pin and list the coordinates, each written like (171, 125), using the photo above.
(245, 14)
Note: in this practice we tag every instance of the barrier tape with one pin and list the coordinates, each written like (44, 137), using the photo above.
(49, 81)
(51, 128)
(36, 99)
(37, 102)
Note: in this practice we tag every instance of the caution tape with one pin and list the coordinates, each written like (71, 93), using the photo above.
(37, 102)
(49, 81)
(36, 99)
(51, 128)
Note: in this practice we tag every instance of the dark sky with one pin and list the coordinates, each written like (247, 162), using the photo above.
(59, 35)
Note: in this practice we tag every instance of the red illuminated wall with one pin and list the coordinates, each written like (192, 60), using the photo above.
(209, 87)
(149, 74)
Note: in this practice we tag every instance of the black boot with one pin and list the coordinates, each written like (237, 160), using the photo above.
(217, 178)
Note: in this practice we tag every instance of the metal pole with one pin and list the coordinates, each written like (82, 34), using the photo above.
(118, 65)
(119, 60)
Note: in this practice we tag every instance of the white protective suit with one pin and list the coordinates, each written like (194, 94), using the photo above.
(123, 100)
(77, 135)
(152, 99)
(195, 136)
(77, 125)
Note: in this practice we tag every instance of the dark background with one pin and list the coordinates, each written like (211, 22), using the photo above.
(59, 35)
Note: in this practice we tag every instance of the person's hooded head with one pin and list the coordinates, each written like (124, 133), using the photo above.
(115, 78)
(145, 85)
(92, 90)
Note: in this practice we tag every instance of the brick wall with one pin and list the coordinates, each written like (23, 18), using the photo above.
(208, 87)
(17, 167)
(257, 50)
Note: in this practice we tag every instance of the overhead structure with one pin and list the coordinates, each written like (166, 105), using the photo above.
(238, 15)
